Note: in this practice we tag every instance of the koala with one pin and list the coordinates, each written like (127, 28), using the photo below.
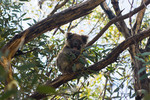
(69, 58)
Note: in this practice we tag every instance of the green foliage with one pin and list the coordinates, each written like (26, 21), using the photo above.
(2, 75)
(7, 94)
(34, 63)
(145, 59)
(46, 89)
(147, 97)
(10, 22)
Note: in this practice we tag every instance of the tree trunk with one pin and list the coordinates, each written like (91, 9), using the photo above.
(134, 49)
(41, 27)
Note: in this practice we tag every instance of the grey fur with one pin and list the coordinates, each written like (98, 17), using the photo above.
(69, 58)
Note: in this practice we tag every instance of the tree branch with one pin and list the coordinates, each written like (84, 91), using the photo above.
(110, 14)
(116, 19)
(54, 21)
(41, 27)
(139, 19)
(124, 28)
(110, 58)
(58, 6)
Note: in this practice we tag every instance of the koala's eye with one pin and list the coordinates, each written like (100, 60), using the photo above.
(78, 42)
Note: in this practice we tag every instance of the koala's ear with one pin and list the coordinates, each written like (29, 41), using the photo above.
(69, 35)
(84, 38)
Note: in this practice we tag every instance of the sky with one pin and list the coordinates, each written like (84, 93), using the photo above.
(39, 14)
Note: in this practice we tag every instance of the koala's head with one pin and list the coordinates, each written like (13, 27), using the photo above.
(76, 41)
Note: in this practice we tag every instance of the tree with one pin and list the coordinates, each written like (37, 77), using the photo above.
(33, 73)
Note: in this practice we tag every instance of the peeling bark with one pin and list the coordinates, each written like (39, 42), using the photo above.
(57, 20)
(41, 27)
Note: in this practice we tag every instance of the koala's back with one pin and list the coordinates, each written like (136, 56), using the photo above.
(68, 58)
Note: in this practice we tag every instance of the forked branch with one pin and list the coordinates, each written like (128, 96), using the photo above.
(110, 58)
(116, 19)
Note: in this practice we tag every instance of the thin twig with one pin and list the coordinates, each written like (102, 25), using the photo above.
(110, 58)
(116, 19)
(58, 6)
(94, 25)
(105, 88)
(71, 27)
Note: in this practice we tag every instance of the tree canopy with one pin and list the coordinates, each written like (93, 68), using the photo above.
(33, 32)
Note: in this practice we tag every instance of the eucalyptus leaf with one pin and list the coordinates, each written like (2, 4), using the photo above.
(117, 89)
(141, 70)
(25, 19)
(140, 59)
(46, 89)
